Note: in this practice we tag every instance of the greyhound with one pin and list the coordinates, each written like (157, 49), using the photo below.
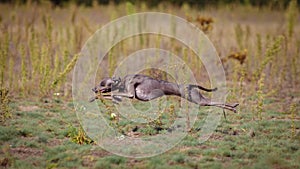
(145, 88)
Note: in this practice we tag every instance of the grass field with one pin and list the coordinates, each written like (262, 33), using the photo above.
(260, 51)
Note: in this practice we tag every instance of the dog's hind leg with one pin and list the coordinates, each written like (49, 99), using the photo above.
(115, 99)
(196, 97)
(223, 106)
(190, 87)
(218, 104)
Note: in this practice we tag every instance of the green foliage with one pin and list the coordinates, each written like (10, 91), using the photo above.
(291, 16)
(24, 75)
(293, 114)
(148, 130)
(258, 54)
(6, 159)
(110, 162)
(271, 52)
(239, 34)
(44, 69)
(271, 137)
(7, 134)
(115, 159)
(3, 57)
(67, 69)
(49, 28)
(179, 158)
(78, 136)
(260, 96)
(5, 111)
(130, 9)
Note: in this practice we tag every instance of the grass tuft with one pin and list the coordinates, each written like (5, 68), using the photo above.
(291, 16)
(5, 111)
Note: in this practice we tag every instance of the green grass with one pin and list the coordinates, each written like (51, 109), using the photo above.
(39, 138)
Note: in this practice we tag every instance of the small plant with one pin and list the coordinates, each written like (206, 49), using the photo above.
(179, 158)
(186, 110)
(248, 34)
(3, 56)
(7, 159)
(24, 73)
(272, 50)
(115, 159)
(291, 16)
(158, 122)
(204, 23)
(294, 67)
(241, 81)
(130, 9)
(34, 53)
(260, 96)
(259, 47)
(149, 130)
(172, 114)
(49, 28)
(11, 73)
(44, 70)
(239, 56)
(67, 69)
(4, 107)
(293, 112)
(78, 136)
(239, 34)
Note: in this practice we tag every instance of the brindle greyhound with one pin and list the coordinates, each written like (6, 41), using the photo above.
(145, 88)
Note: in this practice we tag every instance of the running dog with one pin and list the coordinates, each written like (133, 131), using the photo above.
(145, 88)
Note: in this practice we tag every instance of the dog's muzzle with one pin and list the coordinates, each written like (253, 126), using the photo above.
(101, 90)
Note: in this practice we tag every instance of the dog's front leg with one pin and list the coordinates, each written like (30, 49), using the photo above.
(117, 98)
(129, 92)
(129, 95)
(98, 97)
(93, 99)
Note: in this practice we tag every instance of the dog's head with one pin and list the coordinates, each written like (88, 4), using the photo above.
(107, 85)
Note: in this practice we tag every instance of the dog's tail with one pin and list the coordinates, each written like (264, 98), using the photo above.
(202, 88)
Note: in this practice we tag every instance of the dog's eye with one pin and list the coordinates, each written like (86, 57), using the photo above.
(102, 84)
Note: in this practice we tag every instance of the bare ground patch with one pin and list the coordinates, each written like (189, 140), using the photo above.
(28, 108)
(25, 152)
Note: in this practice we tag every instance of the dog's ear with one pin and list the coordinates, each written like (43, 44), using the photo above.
(116, 80)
